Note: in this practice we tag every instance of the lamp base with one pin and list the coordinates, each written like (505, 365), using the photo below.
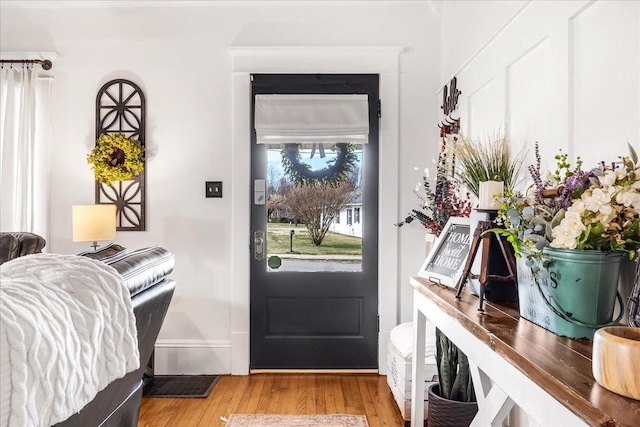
(95, 246)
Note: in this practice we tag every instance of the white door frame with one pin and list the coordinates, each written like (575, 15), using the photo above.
(383, 61)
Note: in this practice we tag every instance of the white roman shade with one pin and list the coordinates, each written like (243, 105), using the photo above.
(283, 119)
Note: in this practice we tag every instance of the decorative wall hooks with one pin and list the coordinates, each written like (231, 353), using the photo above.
(450, 97)
(120, 108)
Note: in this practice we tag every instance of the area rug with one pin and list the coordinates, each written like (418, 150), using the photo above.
(336, 420)
(180, 386)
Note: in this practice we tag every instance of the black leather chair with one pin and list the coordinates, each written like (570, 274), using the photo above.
(15, 244)
(118, 405)
(145, 273)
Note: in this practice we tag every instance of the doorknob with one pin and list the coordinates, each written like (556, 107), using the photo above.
(258, 245)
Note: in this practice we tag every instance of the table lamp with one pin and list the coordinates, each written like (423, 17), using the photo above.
(92, 223)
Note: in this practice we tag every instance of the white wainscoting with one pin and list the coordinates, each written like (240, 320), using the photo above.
(562, 73)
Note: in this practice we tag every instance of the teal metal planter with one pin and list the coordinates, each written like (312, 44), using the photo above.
(576, 297)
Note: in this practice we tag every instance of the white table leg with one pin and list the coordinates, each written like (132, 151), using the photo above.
(494, 404)
(417, 368)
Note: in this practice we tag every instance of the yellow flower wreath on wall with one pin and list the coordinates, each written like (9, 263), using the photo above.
(116, 158)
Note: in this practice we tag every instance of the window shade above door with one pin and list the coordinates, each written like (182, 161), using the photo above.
(330, 119)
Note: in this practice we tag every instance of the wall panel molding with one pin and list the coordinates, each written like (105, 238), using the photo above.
(497, 34)
(570, 74)
(518, 96)
(536, 24)
(604, 64)
(472, 102)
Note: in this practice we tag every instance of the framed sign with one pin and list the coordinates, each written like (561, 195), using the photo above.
(445, 262)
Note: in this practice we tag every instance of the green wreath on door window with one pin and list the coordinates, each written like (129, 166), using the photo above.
(337, 170)
(116, 158)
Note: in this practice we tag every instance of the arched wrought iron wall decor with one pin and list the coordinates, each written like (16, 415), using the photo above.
(120, 108)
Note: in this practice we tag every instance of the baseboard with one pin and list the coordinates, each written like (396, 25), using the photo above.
(314, 371)
(192, 357)
(240, 353)
(215, 357)
(383, 342)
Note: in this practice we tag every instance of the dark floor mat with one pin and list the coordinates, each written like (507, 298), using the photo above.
(180, 386)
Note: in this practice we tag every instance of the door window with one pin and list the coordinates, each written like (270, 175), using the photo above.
(304, 231)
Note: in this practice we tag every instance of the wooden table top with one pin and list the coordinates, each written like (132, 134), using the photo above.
(559, 365)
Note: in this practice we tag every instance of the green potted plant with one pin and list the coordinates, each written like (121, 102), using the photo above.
(476, 161)
(452, 401)
(491, 160)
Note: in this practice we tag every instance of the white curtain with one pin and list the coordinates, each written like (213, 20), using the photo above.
(17, 143)
(325, 119)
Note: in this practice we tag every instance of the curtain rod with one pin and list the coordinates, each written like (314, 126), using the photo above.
(46, 64)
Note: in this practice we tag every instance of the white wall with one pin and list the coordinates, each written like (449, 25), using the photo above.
(564, 73)
(179, 54)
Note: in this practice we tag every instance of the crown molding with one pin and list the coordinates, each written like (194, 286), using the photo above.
(352, 59)
(51, 56)
(83, 4)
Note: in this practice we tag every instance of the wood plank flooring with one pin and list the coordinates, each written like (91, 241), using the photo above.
(358, 394)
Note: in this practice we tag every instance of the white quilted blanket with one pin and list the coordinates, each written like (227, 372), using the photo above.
(67, 330)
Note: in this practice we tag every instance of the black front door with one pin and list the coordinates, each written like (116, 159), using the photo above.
(314, 306)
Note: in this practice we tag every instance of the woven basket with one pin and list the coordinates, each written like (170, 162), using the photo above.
(449, 413)
(634, 300)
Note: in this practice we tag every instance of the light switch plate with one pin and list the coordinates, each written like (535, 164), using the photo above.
(213, 189)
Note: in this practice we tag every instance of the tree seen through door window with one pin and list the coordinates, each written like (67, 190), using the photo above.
(316, 204)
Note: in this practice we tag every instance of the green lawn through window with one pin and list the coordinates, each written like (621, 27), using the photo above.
(333, 244)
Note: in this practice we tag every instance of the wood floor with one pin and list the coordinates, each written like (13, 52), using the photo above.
(366, 394)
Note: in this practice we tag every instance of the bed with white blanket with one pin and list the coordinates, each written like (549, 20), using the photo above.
(76, 334)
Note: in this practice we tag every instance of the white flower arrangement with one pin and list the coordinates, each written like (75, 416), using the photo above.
(597, 209)
(606, 216)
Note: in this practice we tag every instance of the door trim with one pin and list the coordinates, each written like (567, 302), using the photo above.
(303, 60)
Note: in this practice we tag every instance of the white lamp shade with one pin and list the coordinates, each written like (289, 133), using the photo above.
(92, 223)
(329, 119)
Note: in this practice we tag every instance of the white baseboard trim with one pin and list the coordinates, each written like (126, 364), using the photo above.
(215, 357)
(240, 353)
(383, 342)
(192, 357)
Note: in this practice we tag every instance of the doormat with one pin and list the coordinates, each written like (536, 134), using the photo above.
(180, 386)
(337, 420)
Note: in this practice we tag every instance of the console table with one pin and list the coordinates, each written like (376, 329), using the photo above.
(514, 362)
